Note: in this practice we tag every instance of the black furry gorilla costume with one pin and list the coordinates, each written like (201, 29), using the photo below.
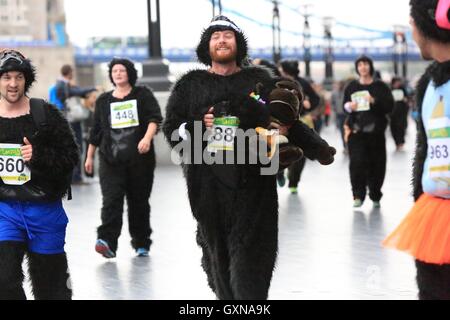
(54, 156)
(237, 225)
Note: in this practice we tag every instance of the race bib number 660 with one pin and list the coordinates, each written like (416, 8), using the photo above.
(13, 170)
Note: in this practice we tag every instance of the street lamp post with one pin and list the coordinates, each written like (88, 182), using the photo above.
(276, 33)
(400, 51)
(307, 42)
(156, 69)
(216, 10)
(154, 29)
(328, 52)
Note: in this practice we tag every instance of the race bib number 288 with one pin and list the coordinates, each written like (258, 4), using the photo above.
(13, 170)
(223, 133)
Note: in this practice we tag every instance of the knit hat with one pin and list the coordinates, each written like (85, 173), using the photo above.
(221, 23)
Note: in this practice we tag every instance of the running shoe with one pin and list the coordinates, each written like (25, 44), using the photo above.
(142, 252)
(293, 190)
(376, 204)
(281, 179)
(102, 247)
(357, 203)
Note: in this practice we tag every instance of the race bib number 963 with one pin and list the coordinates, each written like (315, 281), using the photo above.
(13, 170)
(439, 155)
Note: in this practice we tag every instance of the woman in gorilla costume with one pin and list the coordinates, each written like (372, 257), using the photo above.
(236, 207)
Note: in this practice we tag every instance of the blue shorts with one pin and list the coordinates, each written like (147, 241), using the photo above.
(42, 226)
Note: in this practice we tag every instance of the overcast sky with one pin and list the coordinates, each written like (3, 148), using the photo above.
(183, 20)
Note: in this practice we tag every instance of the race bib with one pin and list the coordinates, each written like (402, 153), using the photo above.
(223, 133)
(398, 95)
(362, 100)
(439, 151)
(436, 120)
(439, 147)
(13, 170)
(124, 114)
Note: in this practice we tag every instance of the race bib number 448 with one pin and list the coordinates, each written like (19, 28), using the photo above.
(13, 170)
(124, 114)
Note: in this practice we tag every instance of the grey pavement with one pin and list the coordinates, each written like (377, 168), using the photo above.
(327, 250)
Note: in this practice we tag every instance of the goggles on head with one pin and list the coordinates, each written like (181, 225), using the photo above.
(8, 55)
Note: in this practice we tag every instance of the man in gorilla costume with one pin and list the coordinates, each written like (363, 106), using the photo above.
(235, 206)
(33, 182)
(424, 233)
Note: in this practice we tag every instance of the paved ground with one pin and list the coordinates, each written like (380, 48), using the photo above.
(327, 250)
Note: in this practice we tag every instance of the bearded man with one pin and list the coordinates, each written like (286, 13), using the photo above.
(236, 207)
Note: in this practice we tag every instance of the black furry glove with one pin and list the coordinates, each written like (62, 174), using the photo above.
(326, 155)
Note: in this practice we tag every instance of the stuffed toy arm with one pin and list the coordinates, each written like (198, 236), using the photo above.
(313, 146)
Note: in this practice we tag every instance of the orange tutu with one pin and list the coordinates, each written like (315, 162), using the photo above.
(425, 231)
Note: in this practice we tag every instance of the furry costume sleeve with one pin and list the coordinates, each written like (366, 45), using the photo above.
(96, 132)
(55, 152)
(151, 111)
(177, 109)
(384, 101)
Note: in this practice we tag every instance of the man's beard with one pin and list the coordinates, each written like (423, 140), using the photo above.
(221, 58)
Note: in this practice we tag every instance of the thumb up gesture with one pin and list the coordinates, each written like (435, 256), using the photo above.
(27, 150)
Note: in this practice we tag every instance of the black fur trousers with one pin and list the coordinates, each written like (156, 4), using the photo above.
(237, 231)
(295, 171)
(433, 281)
(367, 164)
(48, 273)
(133, 181)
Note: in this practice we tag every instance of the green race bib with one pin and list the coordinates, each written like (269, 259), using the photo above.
(362, 100)
(124, 114)
(13, 170)
(223, 133)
